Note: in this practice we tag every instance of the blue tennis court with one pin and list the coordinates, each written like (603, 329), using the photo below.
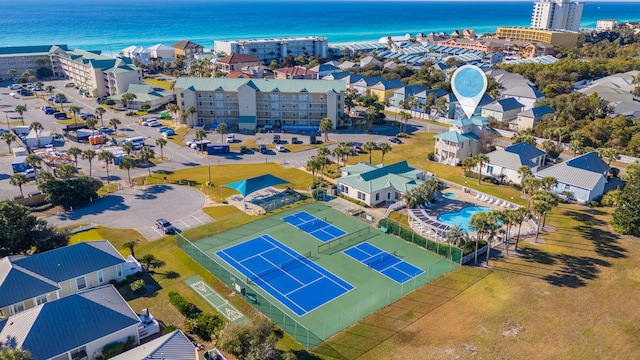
(293, 279)
(314, 226)
(383, 262)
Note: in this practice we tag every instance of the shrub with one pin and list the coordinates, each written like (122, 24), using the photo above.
(205, 325)
(130, 113)
(169, 329)
(431, 156)
(184, 307)
(137, 285)
(116, 348)
(109, 102)
(402, 135)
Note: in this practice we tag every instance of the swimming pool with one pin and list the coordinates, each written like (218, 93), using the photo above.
(450, 195)
(462, 216)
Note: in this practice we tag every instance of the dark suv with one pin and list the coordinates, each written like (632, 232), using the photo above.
(165, 226)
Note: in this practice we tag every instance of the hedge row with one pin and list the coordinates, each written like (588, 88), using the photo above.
(184, 307)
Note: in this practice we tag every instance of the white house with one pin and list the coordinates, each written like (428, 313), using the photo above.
(526, 95)
(137, 53)
(506, 162)
(503, 110)
(375, 185)
(163, 52)
(43, 139)
(584, 177)
(461, 141)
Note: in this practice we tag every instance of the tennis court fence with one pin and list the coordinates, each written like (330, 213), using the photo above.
(347, 240)
(317, 333)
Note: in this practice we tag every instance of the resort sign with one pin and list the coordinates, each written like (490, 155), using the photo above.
(469, 84)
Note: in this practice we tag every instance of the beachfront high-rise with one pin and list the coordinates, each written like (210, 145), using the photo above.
(270, 49)
(557, 15)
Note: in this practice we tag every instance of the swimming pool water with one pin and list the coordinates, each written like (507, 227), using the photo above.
(450, 195)
(462, 216)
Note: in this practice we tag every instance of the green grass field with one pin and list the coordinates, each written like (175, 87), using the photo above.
(372, 289)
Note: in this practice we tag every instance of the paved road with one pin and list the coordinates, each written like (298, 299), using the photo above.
(137, 208)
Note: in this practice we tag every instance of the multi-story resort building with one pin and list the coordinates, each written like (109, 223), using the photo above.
(270, 49)
(23, 58)
(99, 75)
(246, 104)
(557, 15)
(553, 37)
(606, 24)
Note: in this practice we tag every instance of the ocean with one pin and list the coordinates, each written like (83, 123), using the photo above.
(112, 25)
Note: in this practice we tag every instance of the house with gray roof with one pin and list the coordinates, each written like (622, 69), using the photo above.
(375, 185)
(369, 60)
(525, 94)
(505, 163)
(75, 327)
(584, 177)
(175, 346)
(365, 83)
(28, 281)
(347, 65)
(616, 89)
(506, 109)
(325, 69)
(529, 118)
(405, 93)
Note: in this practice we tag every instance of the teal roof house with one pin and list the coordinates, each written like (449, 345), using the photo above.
(29, 281)
(76, 327)
(376, 185)
(461, 141)
(145, 94)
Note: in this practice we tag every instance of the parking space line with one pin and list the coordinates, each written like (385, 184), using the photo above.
(185, 224)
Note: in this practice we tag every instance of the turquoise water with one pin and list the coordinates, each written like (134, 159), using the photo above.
(115, 24)
(450, 195)
(462, 216)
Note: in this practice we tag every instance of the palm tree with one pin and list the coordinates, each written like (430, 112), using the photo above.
(482, 159)
(384, 148)
(37, 127)
(524, 172)
(192, 110)
(66, 171)
(107, 157)
(148, 259)
(576, 146)
(21, 109)
(50, 89)
(61, 97)
(75, 110)
(146, 154)
(33, 160)
(18, 180)
(126, 98)
(44, 177)
(91, 123)
(457, 236)
(100, 111)
(529, 185)
(313, 165)
(325, 126)
(89, 155)
(39, 86)
(404, 117)
(542, 201)
(75, 152)
(128, 163)
(222, 129)
(9, 138)
(200, 135)
(173, 109)
(129, 245)
(369, 146)
(161, 142)
(114, 123)
(549, 182)
(468, 164)
(479, 223)
(128, 147)
(520, 215)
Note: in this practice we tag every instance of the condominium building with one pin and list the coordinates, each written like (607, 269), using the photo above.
(274, 49)
(187, 48)
(557, 15)
(246, 104)
(553, 37)
(15, 60)
(99, 75)
(606, 25)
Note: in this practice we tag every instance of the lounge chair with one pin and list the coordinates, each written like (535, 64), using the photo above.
(491, 201)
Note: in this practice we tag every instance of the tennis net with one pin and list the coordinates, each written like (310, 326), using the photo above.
(278, 269)
(347, 238)
(380, 259)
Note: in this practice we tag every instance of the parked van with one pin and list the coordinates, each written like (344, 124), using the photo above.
(138, 142)
(60, 115)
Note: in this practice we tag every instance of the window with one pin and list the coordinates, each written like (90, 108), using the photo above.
(388, 196)
(489, 169)
(361, 195)
(119, 270)
(81, 283)
(41, 299)
(377, 196)
(16, 308)
(100, 277)
(567, 187)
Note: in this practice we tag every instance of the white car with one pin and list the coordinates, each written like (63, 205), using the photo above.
(154, 123)
(31, 173)
(231, 138)
(281, 148)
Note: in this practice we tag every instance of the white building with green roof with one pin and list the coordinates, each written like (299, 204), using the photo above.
(19, 59)
(461, 141)
(145, 94)
(246, 104)
(377, 184)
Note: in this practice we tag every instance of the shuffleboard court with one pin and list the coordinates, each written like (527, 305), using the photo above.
(318, 228)
(215, 300)
(292, 278)
(383, 262)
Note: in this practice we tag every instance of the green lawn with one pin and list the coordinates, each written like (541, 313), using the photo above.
(158, 82)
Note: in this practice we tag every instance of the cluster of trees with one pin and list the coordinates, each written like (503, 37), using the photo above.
(422, 194)
(254, 341)
(626, 217)
(23, 233)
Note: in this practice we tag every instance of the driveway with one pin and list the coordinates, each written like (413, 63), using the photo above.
(138, 208)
